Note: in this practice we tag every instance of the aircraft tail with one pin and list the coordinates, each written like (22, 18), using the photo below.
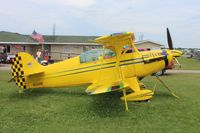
(23, 66)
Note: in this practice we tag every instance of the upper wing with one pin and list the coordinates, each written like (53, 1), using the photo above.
(115, 39)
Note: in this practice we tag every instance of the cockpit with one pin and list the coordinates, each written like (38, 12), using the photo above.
(96, 54)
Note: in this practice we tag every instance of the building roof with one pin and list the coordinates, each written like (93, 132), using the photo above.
(148, 41)
(69, 39)
(16, 38)
(13, 38)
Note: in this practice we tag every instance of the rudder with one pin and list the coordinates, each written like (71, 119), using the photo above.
(23, 65)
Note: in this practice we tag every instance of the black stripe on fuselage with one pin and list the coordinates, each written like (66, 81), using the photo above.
(153, 60)
(130, 63)
(88, 67)
(83, 68)
(82, 72)
(131, 59)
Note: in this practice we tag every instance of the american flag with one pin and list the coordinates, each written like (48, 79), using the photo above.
(37, 37)
(17, 46)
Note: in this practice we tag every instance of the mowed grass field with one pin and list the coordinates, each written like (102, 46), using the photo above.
(72, 110)
(188, 63)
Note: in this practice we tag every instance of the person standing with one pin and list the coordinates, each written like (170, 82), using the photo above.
(38, 56)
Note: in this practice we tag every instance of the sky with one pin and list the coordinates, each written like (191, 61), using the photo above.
(148, 19)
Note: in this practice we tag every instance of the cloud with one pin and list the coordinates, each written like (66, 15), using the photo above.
(73, 3)
(98, 17)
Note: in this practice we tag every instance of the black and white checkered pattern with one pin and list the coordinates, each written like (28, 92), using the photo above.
(17, 72)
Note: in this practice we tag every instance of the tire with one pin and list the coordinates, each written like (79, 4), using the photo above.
(160, 73)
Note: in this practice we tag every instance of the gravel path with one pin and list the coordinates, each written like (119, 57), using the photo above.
(6, 67)
(184, 71)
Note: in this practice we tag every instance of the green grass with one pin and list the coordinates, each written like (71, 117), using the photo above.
(189, 63)
(71, 110)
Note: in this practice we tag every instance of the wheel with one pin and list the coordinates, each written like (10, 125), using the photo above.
(160, 73)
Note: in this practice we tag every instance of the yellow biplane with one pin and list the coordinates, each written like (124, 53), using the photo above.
(113, 68)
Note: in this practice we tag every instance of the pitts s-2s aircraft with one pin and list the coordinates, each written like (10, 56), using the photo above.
(113, 68)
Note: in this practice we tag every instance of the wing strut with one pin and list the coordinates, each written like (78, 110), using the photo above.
(173, 94)
(125, 100)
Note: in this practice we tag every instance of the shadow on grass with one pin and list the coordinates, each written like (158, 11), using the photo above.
(107, 105)
(33, 93)
(164, 95)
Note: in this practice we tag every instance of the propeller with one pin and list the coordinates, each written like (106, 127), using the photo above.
(169, 40)
(176, 53)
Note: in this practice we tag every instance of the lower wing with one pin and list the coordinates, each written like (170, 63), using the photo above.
(98, 88)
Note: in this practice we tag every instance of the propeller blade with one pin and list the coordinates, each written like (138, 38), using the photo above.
(169, 40)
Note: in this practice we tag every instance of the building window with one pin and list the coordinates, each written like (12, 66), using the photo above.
(72, 49)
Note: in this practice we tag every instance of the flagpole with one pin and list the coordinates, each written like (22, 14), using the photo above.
(39, 38)
(42, 46)
(42, 50)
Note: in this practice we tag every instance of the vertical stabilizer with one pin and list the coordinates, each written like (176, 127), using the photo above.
(23, 66)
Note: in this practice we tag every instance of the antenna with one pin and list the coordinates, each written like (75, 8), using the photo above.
(141, 36)
(54, 29)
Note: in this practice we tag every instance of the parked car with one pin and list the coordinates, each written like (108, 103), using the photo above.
(3, 57)
(10, 58)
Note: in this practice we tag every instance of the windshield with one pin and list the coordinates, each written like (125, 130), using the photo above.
(94, 54)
